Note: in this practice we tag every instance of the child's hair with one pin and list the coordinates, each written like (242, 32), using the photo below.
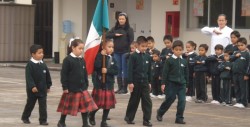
(192, 44)
(156, 52)
(242, 40)
(218, 47)
(236, 33)
(228, 52)
(150, 38)
(168, 37)
(134, 43)
(34, 48)
(248, 47)
(74, 43)
(141, 39)
(178, 43)
(205, 46)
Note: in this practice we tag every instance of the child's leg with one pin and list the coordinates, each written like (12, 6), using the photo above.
(181, 103)
(105, 115)
(133, 103)
(227, 86)
(85, 119)
(237, 87)
(216, 87)
(197, 85)
(31, 101)
(243, 91)
(154, 87)
(146, 103)
(203, 85)
(92, 117)
(42, 101)
(62, 119)
(171, 91)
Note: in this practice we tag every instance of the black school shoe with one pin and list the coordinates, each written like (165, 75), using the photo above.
(180, 122)
(129, 121)
(45, 123)
(147, 123)
(104, 124)
(59, 124)
(92, 120)
(26, 121)
(158, 116)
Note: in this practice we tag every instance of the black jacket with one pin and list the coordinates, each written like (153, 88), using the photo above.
(200, 67)
(191, 62)
(166, 52)
(121, 43)
(241, 64)
(213, 62)
(225, 68)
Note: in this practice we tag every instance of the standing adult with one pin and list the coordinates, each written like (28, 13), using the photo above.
(220, 34)
(123, 35)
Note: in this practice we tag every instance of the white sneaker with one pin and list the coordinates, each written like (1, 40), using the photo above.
(189, 98)
(240, 106)
(223, 103)
(236, 105)
(161, 96)
(152, 95)
(215, 102)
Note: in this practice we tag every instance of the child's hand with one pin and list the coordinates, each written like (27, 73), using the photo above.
(238, 55)
(103, 52)
(167, 57)
(163, 88)
(118, 35)
(131, 87)
(193, 74)
(48, 90)
(198, 62)
(34, 90)
(150, 88)
(246, 77)
(65, 91)
(228, 68)
(104, 70)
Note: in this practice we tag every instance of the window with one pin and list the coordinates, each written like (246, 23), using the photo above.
(7, 0)
(211, 10)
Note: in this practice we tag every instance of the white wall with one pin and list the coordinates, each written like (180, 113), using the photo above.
(158, 11)
(24, 1)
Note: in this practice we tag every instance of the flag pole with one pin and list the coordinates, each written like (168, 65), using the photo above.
(103, 57)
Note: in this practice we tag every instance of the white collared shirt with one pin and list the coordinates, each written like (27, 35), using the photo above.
(190, 53)
(138, 51)
(175, 57)
(36, 61)
(73, 55)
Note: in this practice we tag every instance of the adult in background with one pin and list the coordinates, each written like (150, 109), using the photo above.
(123, 35)
(220, 34)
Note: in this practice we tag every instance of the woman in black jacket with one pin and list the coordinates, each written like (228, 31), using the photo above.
(123, 35)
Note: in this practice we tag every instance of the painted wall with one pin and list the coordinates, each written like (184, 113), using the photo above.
(24, 1)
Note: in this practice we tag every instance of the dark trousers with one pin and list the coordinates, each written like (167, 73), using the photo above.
(31, 101)
(140, 92)
(191, 87)
(225, 92)
(241, 89)
(156, 86)
(216, 87)
(171, 90)
(201, 85)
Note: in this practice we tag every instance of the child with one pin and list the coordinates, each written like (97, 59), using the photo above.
(75, 83)
(174, 79)
(214, 61)
(151, 46)
(167, 51)
(189, 56)
(156, 70)
(200, 74)
(103, 93)
(124, 90)
(139, 74)
(235, 35)
(225, 67)
(38, 83)
(240, 73)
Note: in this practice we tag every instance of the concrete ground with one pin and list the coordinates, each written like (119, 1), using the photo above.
(13, 100)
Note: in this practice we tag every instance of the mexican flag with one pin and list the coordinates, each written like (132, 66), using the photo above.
(100, 21)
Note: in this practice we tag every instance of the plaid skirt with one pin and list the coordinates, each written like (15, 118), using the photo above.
(104, 99)
(71, 103)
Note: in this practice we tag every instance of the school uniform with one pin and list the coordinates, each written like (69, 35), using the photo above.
(150, 51)
(166, 52)
(175, 78)
(200, 70)
(214, 73)
(103, 93)
(232, 48)
(74, 78)
(241, 69)
(225, 85)
(37, 75)
(139, 74)
(156, 69)
(190, 59)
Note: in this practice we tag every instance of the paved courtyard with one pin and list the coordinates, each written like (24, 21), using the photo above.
(13, 99)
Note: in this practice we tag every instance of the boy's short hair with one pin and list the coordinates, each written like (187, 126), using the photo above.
(34, 48)
(235, 33)
(205, 46)
(178, 43)
(242, 40)
(228, 52)
(218, 47)
(150, 38)
(141, 39)
(156, 52)
(168, 37)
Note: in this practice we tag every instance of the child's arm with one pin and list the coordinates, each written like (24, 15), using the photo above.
(165, 74)
(113, 69)
(64, 74)
(48, 79)
(29, 79)
(130, 72)
(86, 74)
(186, 74)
